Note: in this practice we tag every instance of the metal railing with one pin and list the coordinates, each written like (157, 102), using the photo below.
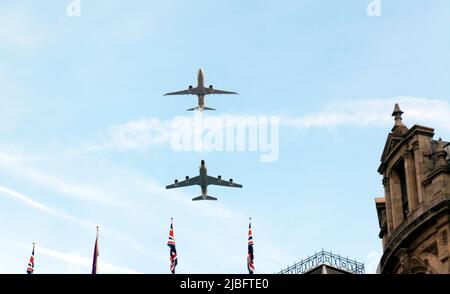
(324, 257)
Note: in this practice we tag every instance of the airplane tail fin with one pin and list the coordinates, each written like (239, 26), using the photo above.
(198, 108)
(203, 198)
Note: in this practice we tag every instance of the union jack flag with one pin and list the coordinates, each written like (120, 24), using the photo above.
(250, 256)
(30, 268)
(173, 250)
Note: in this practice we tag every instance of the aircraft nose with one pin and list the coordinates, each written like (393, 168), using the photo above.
(203, 162)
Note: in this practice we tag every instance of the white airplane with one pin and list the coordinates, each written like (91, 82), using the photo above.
(203, 180)
(201, 91)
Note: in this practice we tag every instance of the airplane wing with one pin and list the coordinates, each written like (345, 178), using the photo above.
(217, 91)
(221, 182)
(190, 182)
(182, 92)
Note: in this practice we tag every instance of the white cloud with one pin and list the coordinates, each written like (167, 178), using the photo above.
(153, 133)
(28, 201)
(376, 113)
(135, 134)
(20, 162)
(44, 208)
(12, 157)
(88, 224)
(82, 192)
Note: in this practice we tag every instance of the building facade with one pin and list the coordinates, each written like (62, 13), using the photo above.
(414, 215)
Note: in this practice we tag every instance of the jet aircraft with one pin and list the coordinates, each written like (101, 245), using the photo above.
(203, 180)
(201, 91)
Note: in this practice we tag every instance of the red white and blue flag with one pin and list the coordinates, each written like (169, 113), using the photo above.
(173, 250)
(95, 257)
(30, 268)
(250, 256)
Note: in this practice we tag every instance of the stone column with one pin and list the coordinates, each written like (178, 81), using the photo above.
(422, 152)
(411, 181)
(396, 199)
(387, 197)
(419, 172)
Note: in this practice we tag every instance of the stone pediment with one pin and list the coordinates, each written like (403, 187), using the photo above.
(394, 140)
(391, 142)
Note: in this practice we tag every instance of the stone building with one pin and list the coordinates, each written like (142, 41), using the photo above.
(414, 215)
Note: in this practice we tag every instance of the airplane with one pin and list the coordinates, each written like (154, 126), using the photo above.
(201, 91)
(203, 180)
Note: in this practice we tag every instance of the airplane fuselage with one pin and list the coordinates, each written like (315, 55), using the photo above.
(201, 89)
(203, 182)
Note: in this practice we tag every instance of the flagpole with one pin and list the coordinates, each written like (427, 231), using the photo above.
(94, 259)
(34, 245)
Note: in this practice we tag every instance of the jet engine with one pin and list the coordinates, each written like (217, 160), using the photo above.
(176, 182)
(219, 178)
(190, 88)
(210, 87)
(231, 181)
(187, 179)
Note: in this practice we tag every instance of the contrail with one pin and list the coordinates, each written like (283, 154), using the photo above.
(138, 247)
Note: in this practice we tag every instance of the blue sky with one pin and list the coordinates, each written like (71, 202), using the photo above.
(329, 71)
